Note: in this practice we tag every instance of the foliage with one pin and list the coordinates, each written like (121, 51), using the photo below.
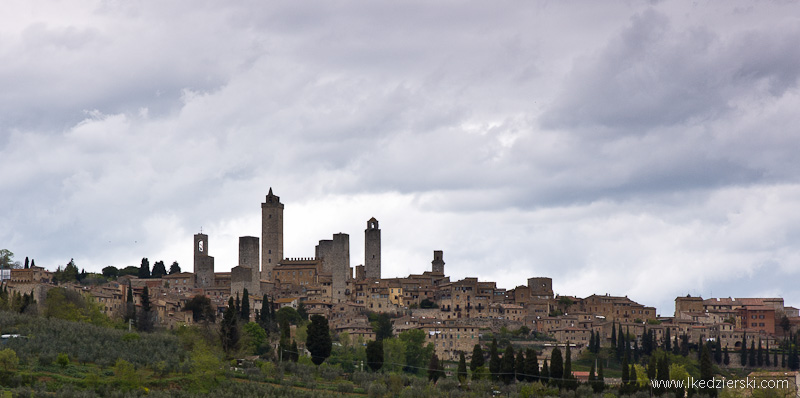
(256, 337)
(8, 360)
(72, 306)
(477, 359)
(319, 341)
(229, 328)
(159, 269)
(382, 326)
(69, 273)
(417, 354)
(435, 369)
(375, 355)
(111, 272)
(6, 259)
(145, 321)
(144, 269)
(174, 268)
(244, 311)
(202, 310)
(289, 314)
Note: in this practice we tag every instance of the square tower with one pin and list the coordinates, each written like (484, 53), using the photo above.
(271, 234)
(203, 263)
(372, 250)
(437, 265)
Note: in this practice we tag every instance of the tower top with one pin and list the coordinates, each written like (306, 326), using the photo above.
(272, 198)
(372, 223)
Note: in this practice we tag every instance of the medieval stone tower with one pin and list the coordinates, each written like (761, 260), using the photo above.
(437, 265)
(271, 234)
(372, 250)
(335, 256)
(203, 263)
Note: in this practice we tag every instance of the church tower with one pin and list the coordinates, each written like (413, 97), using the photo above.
(203, 263)
(271, 234)
(372, 250)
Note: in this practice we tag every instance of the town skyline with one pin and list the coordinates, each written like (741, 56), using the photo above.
(641, 149)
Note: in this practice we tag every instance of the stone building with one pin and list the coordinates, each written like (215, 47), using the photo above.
(271, 234)
(450, 338)
(372, 250)
(203, 263)
(437, 265)
(335, 256)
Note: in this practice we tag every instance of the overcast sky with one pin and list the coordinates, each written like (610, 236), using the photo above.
(636, 148)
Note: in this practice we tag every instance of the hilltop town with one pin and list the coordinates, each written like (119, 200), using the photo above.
(452, 313)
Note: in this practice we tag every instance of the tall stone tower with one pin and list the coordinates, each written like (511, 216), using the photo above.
(271, 234)
(437, 265)
(248, 258)
(203, 263)
(372, 250)
(335, 256)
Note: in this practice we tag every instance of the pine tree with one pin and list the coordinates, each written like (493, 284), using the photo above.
(531, 365)
(477, 358)
(462, 368)
(245, 310)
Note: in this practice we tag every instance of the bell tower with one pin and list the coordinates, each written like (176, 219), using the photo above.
(372, 250)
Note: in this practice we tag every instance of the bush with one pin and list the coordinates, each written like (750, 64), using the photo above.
(62, 360)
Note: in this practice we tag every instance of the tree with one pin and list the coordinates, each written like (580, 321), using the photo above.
(531, 366)
(435, 369)
(294, 353)
(727, 360)
(301, 310)
(6, 259)
(706, 368)
(477, 358)
(557, 366)
(752, 358)
(599, 382)
(145, 322)
(718, 351)
(545, 375)
(111, 272)
(229, 328)
(462, 368)
(319, 341)
(667, 342)
(382, 326)
(144, 269)
(245, 307)
(519, 366)
(766, 356)
(494, 360)
(202, 310)
(159, 269)
(130, 306)
(507, 365)
(743, 353)
(8, 361)
(27, 263)
(569, 380)
(375, 355)
(417, 354)
(174, 268)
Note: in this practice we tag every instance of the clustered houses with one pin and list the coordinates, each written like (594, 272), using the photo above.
(452, 314)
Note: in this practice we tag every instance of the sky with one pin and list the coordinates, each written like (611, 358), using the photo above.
(638, 148)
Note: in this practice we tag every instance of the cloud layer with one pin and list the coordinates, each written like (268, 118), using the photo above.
(635, 148)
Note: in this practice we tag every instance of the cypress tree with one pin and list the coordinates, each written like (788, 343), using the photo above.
(238, 305)
(556, 367)
(706, 368)
(651, 368)
(494, 360)
(531, 365)
(625, 371)
(718, 351)
(752, 358)
(613, 334)
(434, 369)
(743, 353)
(130, 306)
(294, 354)
(545, 375)
(766, 356)
(229, 328)
(462, 368)
(667, 342)
(145, 323)
(26, 263)
(569, 380)
(759, 354)
(676, 347)
(144, 269)
(685, 346)
(634, 378)
(245, 310)
(375, 355)
(477, 358)
(647, 348)
(775, 358)
(318, 339)
(508, 364)
(519, 366)
(621, 343)
(726, 359)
